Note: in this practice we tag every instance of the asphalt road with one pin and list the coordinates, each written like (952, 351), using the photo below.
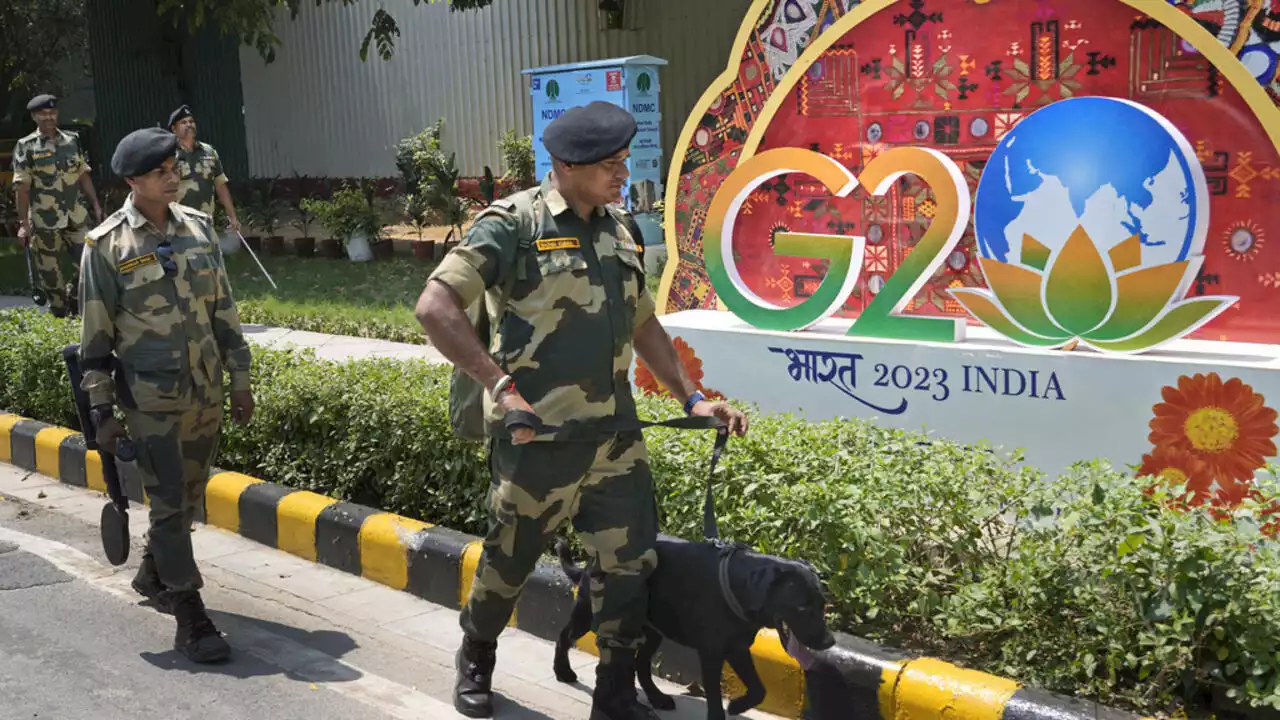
(308, 642)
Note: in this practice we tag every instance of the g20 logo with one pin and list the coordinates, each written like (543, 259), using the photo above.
(1091, 217)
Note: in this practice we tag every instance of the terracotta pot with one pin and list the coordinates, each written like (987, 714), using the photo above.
(424, 250)
(273, 245)
(305, 247)
(254, 242)
(383, 249)
(332, 249)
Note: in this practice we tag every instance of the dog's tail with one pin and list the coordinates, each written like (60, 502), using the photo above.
(566, 560)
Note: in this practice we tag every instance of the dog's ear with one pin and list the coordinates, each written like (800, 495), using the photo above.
(760, 584)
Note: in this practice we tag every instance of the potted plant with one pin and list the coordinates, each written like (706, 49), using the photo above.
(267, 217)
(415, 209)
(382, 248)
(440, 186)
(349, 219)
(304, 246)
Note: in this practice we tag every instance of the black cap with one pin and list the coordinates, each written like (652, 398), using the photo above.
(42, 102)
(142, 151)
(180, 113)
(589, 134)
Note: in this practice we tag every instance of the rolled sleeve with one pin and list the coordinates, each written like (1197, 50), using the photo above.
(645, 307)
(460, 271)
(483, 260)
(219, 175)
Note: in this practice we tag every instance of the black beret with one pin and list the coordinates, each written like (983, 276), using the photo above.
(590, 133)
(142, 151)
(180, 113)
(42, 102)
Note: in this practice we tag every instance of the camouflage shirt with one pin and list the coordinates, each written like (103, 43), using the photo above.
(51, 168)
(201, 172)
(579, 296)
(173, 328)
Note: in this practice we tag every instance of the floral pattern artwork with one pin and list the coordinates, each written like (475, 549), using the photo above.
(1213, 436)
(649, 385)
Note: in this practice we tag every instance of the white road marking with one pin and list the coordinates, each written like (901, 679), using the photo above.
(391, 698)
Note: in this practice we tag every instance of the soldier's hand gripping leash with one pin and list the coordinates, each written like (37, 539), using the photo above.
(102, 432)
(37, 295)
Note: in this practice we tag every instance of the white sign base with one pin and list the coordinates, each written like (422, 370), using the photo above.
(1059, 407)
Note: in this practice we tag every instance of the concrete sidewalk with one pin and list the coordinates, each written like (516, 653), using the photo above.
(327, 347)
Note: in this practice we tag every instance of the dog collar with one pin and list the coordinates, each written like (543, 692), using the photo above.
(725, 590)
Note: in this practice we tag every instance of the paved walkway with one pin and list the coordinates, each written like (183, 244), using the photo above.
(328, 347)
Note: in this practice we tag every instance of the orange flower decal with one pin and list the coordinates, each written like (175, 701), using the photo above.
(1226, 426)
(650, 385)
(1172, 466)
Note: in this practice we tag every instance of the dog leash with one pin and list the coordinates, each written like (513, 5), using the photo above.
(595, 430)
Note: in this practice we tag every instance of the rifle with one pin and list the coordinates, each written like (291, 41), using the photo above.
(37, 295)
(114, 527)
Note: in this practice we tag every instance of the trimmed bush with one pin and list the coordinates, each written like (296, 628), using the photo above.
(1083, 584)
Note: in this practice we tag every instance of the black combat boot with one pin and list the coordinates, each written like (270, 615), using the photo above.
(615, 696)
(197, 638)
(147, 582)
(473, 690)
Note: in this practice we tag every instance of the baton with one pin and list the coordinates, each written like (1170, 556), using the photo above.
(255, 259)
(37, 295)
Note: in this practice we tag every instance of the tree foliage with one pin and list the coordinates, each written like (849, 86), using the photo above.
(36, 38)
(253, 21)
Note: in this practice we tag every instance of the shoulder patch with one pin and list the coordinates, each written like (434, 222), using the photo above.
(113, 220)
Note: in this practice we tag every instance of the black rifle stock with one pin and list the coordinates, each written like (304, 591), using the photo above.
(115, 514)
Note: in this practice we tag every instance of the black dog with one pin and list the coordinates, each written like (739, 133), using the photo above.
(687, 605)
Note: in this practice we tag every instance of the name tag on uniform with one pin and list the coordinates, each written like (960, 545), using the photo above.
(627, 245)
(549, 244)
(132, 264)
(41, 155)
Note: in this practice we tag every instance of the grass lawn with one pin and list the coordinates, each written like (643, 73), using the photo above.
(373, 299)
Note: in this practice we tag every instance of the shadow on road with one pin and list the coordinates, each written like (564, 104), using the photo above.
(261, 647)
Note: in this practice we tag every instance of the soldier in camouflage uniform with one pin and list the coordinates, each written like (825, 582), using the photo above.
(562, 350)
(200, 169)
(159, 326)
(51, 170)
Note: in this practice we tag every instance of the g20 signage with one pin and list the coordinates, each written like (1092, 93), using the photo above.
(1090, 217)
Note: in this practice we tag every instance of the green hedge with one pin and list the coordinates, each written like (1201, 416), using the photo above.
(1081, 584)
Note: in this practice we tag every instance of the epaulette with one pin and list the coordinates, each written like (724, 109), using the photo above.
(185, 209)
(29, 137)
(113, 220)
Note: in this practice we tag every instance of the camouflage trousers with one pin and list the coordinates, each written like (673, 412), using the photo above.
(49, 250)
(606, 489)
(175, 453)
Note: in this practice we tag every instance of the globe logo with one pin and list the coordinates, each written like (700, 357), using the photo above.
(1091, 217)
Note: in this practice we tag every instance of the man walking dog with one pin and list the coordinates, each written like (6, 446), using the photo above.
(562, 271)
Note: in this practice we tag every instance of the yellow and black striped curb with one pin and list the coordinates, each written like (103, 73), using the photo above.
(855, 679)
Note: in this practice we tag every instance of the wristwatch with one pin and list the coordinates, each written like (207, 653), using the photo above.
(694, 399)
(502, 386)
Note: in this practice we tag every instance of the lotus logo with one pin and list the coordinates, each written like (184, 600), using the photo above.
(644, 82)
(553, 89)
(1091, 217)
